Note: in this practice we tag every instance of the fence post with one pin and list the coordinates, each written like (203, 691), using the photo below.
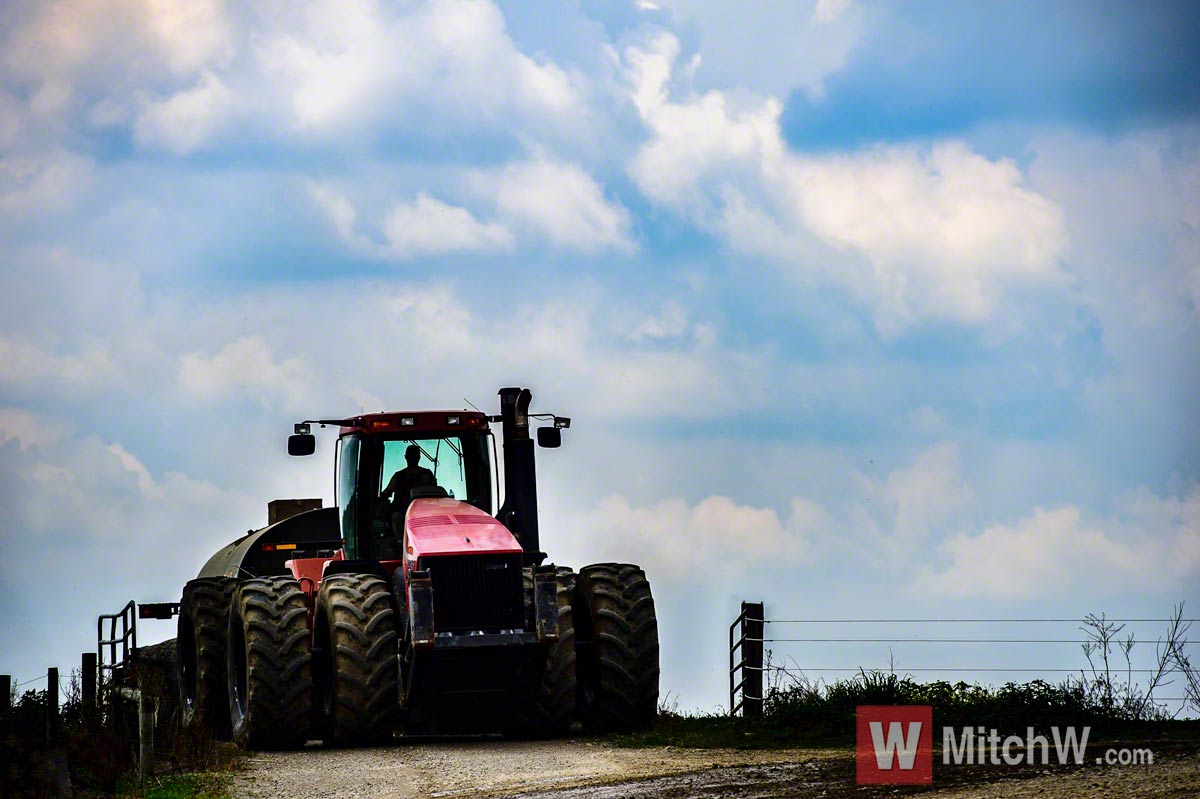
(88, 680)
(51, 704)
(5, 692)
(145, 735)
(752, 658)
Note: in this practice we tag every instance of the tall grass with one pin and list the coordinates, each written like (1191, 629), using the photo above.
(1014, 706)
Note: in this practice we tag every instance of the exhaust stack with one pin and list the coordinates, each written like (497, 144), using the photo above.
(519, 512)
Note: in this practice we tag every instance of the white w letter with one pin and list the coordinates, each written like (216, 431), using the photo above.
(886, 749)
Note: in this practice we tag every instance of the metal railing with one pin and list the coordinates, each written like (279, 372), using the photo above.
(126, 641)
(746, 694)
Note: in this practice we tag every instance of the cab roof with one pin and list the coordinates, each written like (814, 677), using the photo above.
(449, 421)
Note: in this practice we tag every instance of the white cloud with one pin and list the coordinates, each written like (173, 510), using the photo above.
(42, 180)
(1153, 545)
(894, 518)
(675, 540)
(98, 39)
(26, 365)
(187, 120)
(340, 212)
(928, 491)
(424, 226)
(696, 139)
(939, 231)
(827, 11)
(559, 202)
(668, 322)
(246, 366)
(429, 226)
(344, 66)
(29, 429)
(538, 201)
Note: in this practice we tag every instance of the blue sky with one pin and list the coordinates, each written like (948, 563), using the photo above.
(854, 305)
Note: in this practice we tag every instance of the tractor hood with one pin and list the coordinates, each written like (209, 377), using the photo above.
(453, 527)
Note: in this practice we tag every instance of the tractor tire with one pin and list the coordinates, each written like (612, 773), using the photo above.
(269, 664)
(616, 642)
(550, 711)
(203, 627)
(356, 665)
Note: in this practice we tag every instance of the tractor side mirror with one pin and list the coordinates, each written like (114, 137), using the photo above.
(549, 437)
(302, 444)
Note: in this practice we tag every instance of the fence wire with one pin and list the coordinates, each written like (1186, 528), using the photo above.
(1116, 639)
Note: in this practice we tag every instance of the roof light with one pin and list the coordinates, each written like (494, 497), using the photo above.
(408, 421)
(453, 420)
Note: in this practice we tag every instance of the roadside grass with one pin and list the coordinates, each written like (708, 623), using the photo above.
(816, 714)
(208, 785)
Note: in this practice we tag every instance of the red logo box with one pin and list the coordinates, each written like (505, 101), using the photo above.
(895, 745)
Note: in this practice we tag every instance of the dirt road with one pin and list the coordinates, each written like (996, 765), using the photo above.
(575, 769)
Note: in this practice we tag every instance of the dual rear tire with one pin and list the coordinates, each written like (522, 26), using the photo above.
(269, 664)
(357, 662)
(616, 632)
(604, 668)
(201, 654)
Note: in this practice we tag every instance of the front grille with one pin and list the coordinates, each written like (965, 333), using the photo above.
(476, 592)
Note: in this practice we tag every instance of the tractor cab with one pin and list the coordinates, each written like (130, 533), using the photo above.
(453, 449)
(445, 452)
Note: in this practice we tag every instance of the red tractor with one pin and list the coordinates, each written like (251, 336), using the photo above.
(410, 606)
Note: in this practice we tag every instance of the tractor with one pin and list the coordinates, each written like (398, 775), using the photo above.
(412, 606)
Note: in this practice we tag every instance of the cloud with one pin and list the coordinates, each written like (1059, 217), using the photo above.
(535, 201)
(245, 366)
(668, 322)
(827, 11)
(27, 366)
(675, 540)
(187, 120)
(115, 39)
(1054, 552)
(29, 429)
(429, 226)
(560, 203)
(349, 66)
(42, 180)
(928, 491)
(918, 232)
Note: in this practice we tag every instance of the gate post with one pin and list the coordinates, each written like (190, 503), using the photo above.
(51, 705)
(87, 672)
(752, 658)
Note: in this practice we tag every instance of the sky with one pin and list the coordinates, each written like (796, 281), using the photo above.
(859, 309)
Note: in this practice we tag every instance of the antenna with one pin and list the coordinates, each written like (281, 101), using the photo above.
(473, 405)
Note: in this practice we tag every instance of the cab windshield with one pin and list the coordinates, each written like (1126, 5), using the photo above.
(458, 464)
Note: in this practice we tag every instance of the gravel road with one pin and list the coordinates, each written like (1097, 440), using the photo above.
(575, 769)
(487, 767)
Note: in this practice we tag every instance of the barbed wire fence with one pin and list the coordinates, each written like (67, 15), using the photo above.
(762, 653)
